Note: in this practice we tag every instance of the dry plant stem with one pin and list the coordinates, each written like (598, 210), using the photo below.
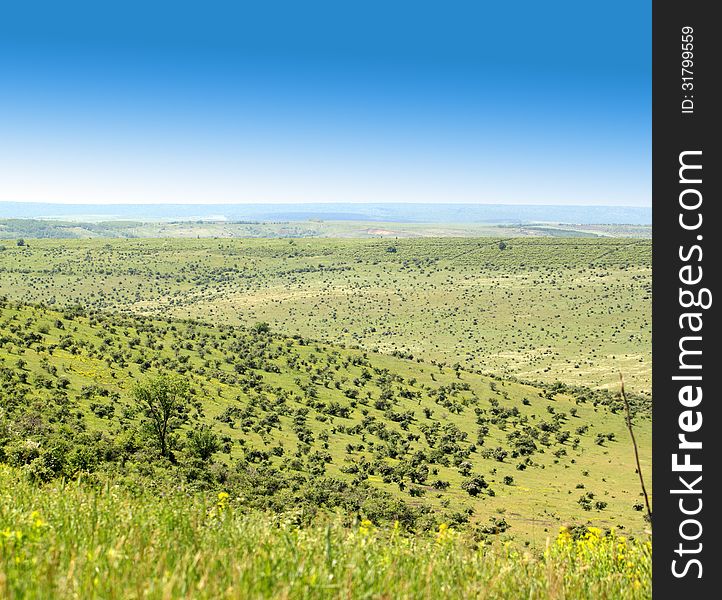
(636, 451)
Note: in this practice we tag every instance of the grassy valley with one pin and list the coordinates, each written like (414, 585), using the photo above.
(360, 409)
(548, 309)
(311, 228)
(298, 410)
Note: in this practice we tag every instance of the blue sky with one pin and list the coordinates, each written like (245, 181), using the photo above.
(517, 102)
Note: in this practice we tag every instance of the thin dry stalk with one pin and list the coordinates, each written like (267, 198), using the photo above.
(636, 451)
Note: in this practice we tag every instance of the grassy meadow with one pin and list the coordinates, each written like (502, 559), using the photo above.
(312, 228)
(543, 309)
(352, 418)
(74, 541)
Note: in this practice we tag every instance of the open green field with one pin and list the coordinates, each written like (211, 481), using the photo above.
(55, 228)
(412, 418)
(576, 310)
(291, 417)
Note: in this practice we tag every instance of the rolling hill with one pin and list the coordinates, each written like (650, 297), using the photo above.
(292, 423)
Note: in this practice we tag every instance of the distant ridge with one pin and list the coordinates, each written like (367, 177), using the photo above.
(399, 213)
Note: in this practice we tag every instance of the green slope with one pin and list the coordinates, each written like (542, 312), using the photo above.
(545, 309)
(303, 424)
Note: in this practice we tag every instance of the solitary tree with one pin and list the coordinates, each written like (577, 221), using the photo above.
(162, 400)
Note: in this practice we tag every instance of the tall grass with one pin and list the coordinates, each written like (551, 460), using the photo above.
(73, 541)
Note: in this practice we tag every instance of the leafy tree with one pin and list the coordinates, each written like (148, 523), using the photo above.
(162, 400)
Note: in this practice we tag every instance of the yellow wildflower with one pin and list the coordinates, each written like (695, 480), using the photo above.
(366, 526)
(594, 532)
(444, 533)
(37, 520)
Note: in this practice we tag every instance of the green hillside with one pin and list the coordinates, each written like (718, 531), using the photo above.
(576, 310)
(283, 422)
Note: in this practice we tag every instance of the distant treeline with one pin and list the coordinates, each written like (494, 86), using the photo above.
(34, 228)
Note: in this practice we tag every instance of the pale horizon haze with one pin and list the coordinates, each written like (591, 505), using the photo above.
(232, 103)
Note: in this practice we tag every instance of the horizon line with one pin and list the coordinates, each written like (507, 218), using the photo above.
(329, 202)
